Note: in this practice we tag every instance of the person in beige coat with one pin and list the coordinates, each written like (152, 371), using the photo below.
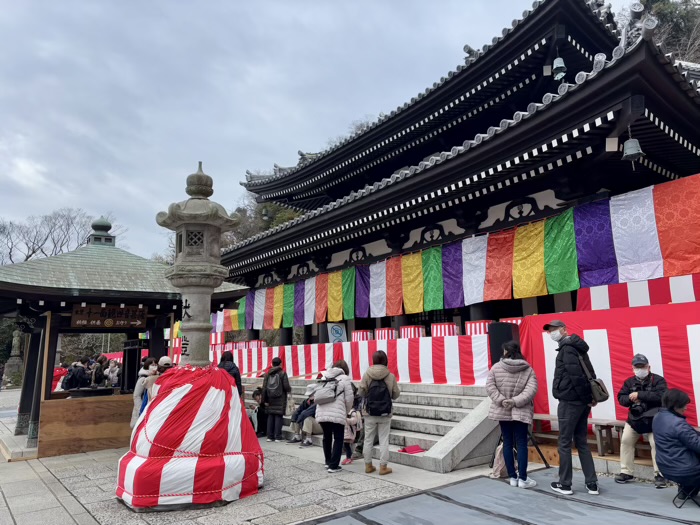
(512, 385)
(380, 389)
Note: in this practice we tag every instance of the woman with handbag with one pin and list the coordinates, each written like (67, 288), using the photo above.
(512, 385)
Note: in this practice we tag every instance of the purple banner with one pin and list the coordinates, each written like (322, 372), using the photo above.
(299, 303)
(249, 309)
(362, 291)
(452, 275)
(597, 264)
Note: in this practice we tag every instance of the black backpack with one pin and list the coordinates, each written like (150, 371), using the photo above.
(274, 386)
(378, 399)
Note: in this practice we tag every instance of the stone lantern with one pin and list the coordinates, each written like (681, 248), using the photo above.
(198, 224)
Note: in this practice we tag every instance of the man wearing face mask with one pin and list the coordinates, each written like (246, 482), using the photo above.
(642, 394)
(573, 390)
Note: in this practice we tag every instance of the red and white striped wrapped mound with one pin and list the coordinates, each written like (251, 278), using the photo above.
(192, 445)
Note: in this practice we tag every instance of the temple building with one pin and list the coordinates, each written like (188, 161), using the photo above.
(500, 191)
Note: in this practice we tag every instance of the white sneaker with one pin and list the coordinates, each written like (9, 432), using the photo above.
(527, 484)
(513, 482)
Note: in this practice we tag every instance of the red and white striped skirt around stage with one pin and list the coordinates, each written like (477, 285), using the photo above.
(476, 327)
(192, 445)
(385, 334)
(362, 335)
(408, 332)
(443, 329)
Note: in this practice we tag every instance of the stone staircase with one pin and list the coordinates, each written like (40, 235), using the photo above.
(423, 415)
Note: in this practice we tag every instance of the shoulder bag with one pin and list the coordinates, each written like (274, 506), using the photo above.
(598, 389)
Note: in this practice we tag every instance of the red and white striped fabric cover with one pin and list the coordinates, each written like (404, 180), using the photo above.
(666, 290)
(443, 329)
(216, 338)
(668, 335)
(384, 334)
(118, 356)
(476, 327)
(192, 445)
(408, 332)
(362, 335)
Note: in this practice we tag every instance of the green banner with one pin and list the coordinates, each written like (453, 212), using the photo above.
(432, 279)
(349, 293)
(241, 315)
(560, 258)
(288, 316)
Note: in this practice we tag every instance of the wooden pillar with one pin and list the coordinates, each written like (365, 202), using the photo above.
(31, 365)
(33, 429)
(156, 344)
(252, 335)
(308, 334)
(323, 333)
(131, 361)
(286, 336)
(50, 355)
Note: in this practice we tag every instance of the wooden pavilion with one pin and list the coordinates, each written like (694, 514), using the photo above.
(98, 288)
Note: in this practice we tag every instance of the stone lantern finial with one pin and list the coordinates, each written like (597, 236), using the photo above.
(199, 184)
(198, 224)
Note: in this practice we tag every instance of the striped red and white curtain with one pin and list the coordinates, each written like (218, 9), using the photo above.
(408, 332)
(443, 329)
(476, 327)
(362, 335)
(385, 334)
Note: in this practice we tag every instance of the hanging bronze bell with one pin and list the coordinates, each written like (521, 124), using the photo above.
(559, 68)
(632, 151)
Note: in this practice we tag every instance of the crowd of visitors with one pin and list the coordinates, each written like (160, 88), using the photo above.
(87, 372)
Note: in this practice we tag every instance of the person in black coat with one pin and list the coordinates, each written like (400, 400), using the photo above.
(275, 390)
(641, 394)
(78, 377)
(677, 444)
(573, 390)
(227, 364)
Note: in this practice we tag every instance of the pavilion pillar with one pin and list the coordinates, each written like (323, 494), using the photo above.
(286, 336)
(252, 335)
(308, 334)
(156, 344)
(33, 428)
(31, 365)
(323, 333)
(399, 321)
(479, 312)
(50, 361)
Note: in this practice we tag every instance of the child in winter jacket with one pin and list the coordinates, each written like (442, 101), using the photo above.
(353, 426)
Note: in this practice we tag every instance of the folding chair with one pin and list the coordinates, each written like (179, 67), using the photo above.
(683, 498)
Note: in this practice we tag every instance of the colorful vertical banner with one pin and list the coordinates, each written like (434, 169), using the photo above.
(560, 259)
(634, 233)
(242, 309)
(250, 309)
(321, 297)
(677, 210)
(299, 293)
(499, 266)
(335, 296)
(362, 291)
(310, 301)
(348, 278)
(412, 282)
(528, 261)
(452, 275)
(278, 310)
(288, 306)
(394, 286)
(377, 289)
(431, 260)
(474, 252)
(269, 304)
(597, 264)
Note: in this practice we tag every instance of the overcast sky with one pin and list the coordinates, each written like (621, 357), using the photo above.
(108, 105)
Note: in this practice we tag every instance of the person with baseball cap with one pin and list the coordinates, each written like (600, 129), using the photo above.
(573, 390)
(641, 394)
(304, 423)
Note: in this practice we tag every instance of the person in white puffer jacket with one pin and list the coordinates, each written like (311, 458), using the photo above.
(331, 416)
(150, 367)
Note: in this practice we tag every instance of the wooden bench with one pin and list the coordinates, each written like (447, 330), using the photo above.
(602, 430)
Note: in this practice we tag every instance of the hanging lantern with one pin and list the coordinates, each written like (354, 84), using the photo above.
(559, 68)
(631, 150)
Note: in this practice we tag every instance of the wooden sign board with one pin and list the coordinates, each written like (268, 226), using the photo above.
(110, 317)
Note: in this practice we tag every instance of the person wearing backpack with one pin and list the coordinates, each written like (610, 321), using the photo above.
(274, 398)
(334, 400)
(379, 388)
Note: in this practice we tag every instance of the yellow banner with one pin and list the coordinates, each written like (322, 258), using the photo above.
(529, 279)
(279, 307)
(335, 296)
(412, 281)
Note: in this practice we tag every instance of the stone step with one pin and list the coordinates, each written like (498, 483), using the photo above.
(450, 390)
(440, 400)
(405, 438)
(429, 412)
(421, 425)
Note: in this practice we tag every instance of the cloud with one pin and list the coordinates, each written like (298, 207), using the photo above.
(109, 105)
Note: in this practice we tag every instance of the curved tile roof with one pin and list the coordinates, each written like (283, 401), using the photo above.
(691, 87)
(596, 7)
(95, 267)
